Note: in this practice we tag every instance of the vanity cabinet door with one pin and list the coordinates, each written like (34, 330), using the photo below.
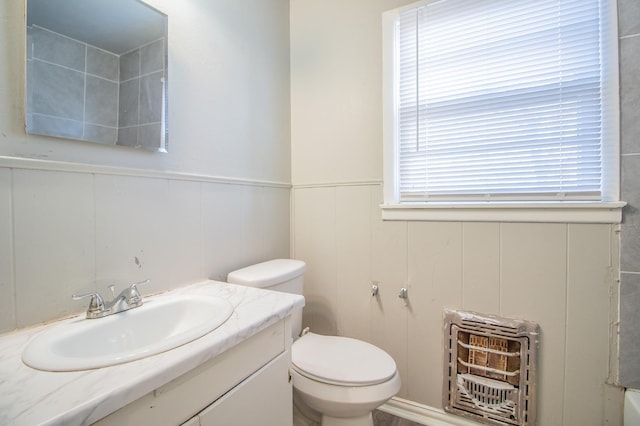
(264, 398)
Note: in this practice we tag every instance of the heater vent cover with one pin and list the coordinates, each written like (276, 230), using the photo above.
(490, 368)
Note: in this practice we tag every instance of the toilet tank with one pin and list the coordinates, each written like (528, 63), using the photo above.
(285, 275)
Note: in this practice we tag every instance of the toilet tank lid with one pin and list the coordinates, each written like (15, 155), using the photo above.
(267, 274)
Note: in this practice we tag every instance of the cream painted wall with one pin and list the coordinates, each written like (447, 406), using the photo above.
(561, 275)
(67, 229)
(336, 90)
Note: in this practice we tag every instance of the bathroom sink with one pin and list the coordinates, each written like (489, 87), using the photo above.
(159, 325)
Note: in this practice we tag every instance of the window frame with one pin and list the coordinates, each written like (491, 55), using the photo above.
(608, 210)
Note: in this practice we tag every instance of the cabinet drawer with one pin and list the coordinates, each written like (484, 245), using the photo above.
(182, 398)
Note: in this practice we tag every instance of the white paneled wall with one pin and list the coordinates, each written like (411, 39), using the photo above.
(315, 225)
(587, 270)
(353, 260)
(7, 289)
(132, 229)
(435, 282)
(67, 232)
(389, 327)
(54, 250)
(561, 276)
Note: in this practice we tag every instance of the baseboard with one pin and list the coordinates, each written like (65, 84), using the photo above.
(423, 414)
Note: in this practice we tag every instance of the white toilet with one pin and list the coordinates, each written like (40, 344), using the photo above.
(337, 379)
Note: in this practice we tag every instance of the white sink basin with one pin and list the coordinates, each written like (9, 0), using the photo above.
(159, 325)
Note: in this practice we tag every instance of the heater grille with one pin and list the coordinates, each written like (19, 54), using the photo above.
(490, 368)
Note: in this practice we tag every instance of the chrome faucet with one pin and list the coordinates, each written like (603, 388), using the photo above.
(128, 298)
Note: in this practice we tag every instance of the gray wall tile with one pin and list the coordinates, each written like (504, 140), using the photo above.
(101, 101)
(105, 93)
(103, 64)
(54, 126)
(629, 339)
(57, 49)
(151, 98)
(100, 134)
(57, 91)
(629, 330)
(152, 57)
(29, 86)
(149, 136)
(63, 97)
(130, 65)
(628, 22)
(630, 94)
(630, 174)
(630, 249)
(29, 42)
(128, 106)
(128, 136)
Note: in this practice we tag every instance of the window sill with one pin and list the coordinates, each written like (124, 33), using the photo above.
(541, 212)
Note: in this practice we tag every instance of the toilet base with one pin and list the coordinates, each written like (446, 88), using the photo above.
(335, 405)
(366, 420)
(304, 415)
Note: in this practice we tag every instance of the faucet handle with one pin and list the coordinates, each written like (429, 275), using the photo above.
(112, 289)
(134, 286)
(95, 305)
(134, 295)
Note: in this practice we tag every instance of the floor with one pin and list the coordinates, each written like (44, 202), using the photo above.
(383, 419)
(379, 419)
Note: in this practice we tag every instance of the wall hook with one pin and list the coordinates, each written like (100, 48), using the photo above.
(403, 293)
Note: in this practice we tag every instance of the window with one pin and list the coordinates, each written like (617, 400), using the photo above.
(501, 101)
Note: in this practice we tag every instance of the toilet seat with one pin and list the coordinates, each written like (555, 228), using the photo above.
(341, 361)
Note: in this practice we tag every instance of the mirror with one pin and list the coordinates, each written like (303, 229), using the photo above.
(97, 72)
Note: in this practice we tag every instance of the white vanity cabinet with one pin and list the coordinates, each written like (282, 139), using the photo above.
(236, 375)
(248, 384)
(262, 399)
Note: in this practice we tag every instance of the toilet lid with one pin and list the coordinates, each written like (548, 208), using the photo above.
(341, 360)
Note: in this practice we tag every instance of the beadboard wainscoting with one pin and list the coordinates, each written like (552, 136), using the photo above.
(65, 229)
(562, 276)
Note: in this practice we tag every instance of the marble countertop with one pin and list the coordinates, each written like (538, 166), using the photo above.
(33, 397)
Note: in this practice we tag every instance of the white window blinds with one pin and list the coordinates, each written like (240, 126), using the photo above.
(500, 99)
